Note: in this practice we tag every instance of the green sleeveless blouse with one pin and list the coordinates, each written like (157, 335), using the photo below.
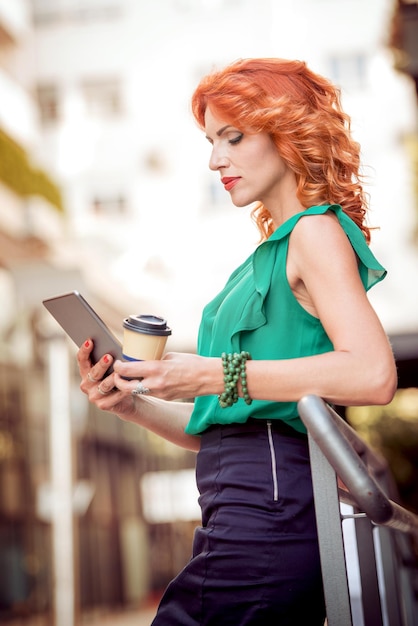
(257, 312)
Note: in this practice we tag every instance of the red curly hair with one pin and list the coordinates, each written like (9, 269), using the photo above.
(302, 113)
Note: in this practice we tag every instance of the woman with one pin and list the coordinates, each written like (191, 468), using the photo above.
(297, 315)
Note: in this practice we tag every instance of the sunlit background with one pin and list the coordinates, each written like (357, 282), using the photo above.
(105, 188)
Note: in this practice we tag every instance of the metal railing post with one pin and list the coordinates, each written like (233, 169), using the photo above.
(371, 601)
(331, 546)
(364, 482)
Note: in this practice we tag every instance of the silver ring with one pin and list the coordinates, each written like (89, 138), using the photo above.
(140, 389)
(91, 379)
(104, 393)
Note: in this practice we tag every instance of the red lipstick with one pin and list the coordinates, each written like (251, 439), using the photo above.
(229, 181)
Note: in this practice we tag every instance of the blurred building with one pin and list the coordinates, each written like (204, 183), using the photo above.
(110, 563)
(25, 190)
(113, 198)
(113, 83)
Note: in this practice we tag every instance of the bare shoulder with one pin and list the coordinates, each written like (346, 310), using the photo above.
(312, 226)
(317, 237)
(319, 247)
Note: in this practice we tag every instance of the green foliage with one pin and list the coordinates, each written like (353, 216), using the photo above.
(19, 175)
(392, 430)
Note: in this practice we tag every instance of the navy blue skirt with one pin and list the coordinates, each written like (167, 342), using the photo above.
(255, 558)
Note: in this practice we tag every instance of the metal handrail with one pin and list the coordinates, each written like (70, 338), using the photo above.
(356, 465)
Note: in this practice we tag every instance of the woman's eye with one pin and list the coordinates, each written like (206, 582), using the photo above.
(236, 139)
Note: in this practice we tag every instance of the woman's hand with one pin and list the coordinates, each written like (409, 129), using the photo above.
(173, 377)
(102, 390)
(176, 376)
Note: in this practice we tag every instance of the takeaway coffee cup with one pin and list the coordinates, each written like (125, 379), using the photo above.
(144, 337)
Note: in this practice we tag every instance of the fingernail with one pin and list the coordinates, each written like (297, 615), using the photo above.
(106, 358)
(87, 343)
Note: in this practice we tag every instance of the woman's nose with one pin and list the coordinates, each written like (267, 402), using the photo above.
(217, 160)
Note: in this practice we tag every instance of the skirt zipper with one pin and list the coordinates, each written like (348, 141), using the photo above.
(273, 463)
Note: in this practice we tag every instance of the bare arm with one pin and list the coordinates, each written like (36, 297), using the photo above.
(323, 273)
(165, 418)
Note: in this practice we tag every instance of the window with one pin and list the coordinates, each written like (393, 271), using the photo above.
(49, 103)
(102, 97)
(55, 11)
(349, 71)
(110, 205)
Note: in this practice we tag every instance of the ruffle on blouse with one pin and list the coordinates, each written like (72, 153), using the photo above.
(264, 258)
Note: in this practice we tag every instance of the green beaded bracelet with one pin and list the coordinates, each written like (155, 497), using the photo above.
(234, 367)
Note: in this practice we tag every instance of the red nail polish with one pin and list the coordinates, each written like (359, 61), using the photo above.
(106, 358)
(87, 343)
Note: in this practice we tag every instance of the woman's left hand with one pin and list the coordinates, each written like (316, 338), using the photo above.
(175, 376)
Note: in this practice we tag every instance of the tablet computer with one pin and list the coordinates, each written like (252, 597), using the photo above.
(80, 321)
